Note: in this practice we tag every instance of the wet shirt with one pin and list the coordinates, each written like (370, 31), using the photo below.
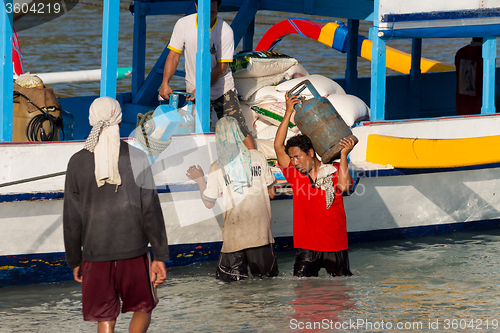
(247, 215)
(314, 226)
(185, 38)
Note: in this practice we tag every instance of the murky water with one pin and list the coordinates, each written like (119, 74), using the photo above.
(432, 284)
(449, 281)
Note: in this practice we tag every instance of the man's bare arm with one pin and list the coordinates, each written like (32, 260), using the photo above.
(218, 71)
(168, 72)
(196, 174)
(344, 179)
(279, 141)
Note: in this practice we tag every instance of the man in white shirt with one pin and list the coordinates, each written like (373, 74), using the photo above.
(223, 95)
(244, 180)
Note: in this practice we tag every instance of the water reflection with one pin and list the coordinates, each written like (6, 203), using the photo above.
(319, 303)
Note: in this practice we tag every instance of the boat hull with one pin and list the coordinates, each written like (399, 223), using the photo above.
(384, 206)
(387, 203)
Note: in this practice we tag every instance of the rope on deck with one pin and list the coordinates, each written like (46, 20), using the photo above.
(146, 125)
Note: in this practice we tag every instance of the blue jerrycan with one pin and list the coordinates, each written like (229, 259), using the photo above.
(186, 126)
(154, 131)
(318, 119)
(164, 123)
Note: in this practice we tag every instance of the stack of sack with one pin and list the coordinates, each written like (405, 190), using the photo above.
(262, 78)
(254, 70)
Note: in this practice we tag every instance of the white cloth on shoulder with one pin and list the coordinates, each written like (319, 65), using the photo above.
(105, 115)
(324, 181)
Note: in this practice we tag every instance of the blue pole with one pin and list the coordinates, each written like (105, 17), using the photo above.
(351, 72)
(248, 38)
(6, 71)
(109, 58)
(489, 55)
(203, 68)
(139, 48)
(415, 78)
(378, 85)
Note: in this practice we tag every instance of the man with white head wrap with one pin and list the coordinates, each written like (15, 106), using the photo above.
(104, 140)
(110, 216)
(245, 181)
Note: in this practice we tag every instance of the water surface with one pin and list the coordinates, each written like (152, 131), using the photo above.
(444, 280)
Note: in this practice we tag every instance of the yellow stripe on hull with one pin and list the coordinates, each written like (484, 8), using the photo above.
(432, 153)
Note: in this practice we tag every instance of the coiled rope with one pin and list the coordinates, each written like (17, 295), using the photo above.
(35, 127)
(35, 130)
(147, 125)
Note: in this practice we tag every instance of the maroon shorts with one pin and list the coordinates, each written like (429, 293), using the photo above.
(105, 283)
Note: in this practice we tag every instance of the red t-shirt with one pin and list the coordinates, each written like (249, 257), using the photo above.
(315, 227)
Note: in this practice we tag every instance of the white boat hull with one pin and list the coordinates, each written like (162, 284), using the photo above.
(425, 199)
(387, 203)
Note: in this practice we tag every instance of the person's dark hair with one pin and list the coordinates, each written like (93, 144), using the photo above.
(218, 2)
(301, 141)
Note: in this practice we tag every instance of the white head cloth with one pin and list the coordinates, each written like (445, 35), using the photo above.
(105, 115)
(233, 156)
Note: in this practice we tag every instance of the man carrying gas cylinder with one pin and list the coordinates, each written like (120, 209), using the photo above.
(319, 220)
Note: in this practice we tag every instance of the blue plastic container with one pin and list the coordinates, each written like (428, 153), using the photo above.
(166, 119)
(187, 124)
(161, 127)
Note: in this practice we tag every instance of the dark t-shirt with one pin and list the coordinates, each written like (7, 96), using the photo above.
(109, 222)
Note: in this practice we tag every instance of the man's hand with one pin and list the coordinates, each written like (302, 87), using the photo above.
(193, 97)
(158, 272)
(290, 102)
(348, 145)
(279, 140)
(77, 274)
(165, 91)
(344, 178)
(195, 173)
